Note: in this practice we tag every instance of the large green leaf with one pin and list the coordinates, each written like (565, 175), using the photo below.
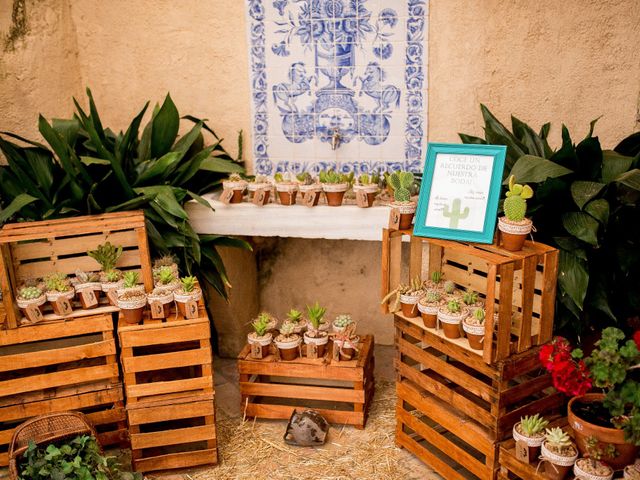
(532, 169)
(216, 164)
(598, 209)
(496, 133)
(94, 161)
(631, 179)
(164, 128)
(582, 191)
(165, 199)
(189, 168)
(184, 143)
(573, 277)
(15, 206)
(158, 168)
(581, 225)
(533, 144)
(68, 129)
(470, 139)
(614, 165)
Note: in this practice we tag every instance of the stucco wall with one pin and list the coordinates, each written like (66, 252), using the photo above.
(543, 61)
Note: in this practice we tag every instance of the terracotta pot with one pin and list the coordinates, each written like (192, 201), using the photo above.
(451, 330)
(253, 187)
(514, 234)
(582, 429)
(315, 193)
(429, 315)
(287, 198)
(334, 199)
(475, 335)
(533, 443)
(370, 190)
(581, 472)
(555, 472)
(407, 212)
(320, 342)
(132, 315)
(238, 190)
(165, 302)
(289, 350)
(631, 472)
(556, 467)
(182, 299)
(347, 348)
(451, 323)
(53, 296)
(409, 305)
(96, 287)
(264, 342)
(237, 196)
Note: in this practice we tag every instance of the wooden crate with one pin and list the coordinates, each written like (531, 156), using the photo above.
(66, 365)
(520, 287)
(166, 359)
(35, 249)
(340, 391)
(173, 434)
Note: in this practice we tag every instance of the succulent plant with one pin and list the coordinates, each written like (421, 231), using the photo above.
(401, 182)
(515, 205)
(453, 306)
(331, 176)
(29, 293)
(366, 179)
(343, 320)
(87, 277)
(164, 261)
(532, 425)
(57, 282)
(106, 255)
(282, 177)
(436, 277)
(113, 275)
(294, 316)
(556, 437)
(316, 314)
(130, 279)
(479, 315)
(449, 287)
(287, 328)
(261, 324)
(432, 296)
(469, 297)
(188, 284)
(305, 178)
(165, 275)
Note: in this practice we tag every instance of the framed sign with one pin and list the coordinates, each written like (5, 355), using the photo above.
(460, 191)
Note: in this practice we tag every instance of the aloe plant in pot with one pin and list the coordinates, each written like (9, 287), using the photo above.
(401, 183)
(334, 186)
(368, 185)
(295, 318)
(514, 226)
(288, 342)
(187, 296)
(531, 431)
(261, 336)
(450, 316)
(132, 298)
(314, 334)
(166, 278)
(286, 187)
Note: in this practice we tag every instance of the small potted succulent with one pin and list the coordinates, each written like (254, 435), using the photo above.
(530, 430)
(514, 226)
(472, 300)
(288, 343)
(450, 316)
(31, 297)
(237, 185)
(334, 186)
(341, 322)
(107, 256)
(261, 335)
(167, 260)
(260, 182)
(473, 325)
(435, 281)
(166, 278)
(160, 300)
(559, 453)
(186, 296)
(347, 343)
(131, 298)
(592, 469)
(368, 185)
(295, 317)
(449, 288)
(401, 183)
(311, 185)
(88, 282)
(407, 297)
(287, 188)
(59, 288)
(428, 307)
(314, 334)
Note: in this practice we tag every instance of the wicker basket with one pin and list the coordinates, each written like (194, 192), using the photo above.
(46, 429)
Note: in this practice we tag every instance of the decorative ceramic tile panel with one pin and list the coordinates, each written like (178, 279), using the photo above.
(338, 83)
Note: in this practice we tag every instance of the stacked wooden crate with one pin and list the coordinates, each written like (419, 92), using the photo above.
(168, 377)
(456, 403)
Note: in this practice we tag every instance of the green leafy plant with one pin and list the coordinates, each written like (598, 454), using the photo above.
(515, 205)
(131, 279)
(165, 275)
(106, 255)
(57, 282)
(188, 284)
(294, 316)
(287, 329)
(113, 275)
(479, 315)
(331, 176)
(316, 314)
(366, 179)
(89, 169)
(29, 293)
(586, 202)
(432, 296)
(533, 425)
(261, 324)
(401, 183)
(87, 277)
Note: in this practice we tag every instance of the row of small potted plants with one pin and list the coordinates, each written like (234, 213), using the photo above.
(312, 330)
(558, 453)
(441, 304)
(122, 289)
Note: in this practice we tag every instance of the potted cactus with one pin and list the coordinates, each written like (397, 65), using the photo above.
(406, 298)
(314, 334)
(530, 430)
(288, 343)
(368, 185)
(187, 296)
(59, 293)
(260, 182)
(88, 287)
(107, 256)
(514, 226)
(341, 322)
(472, 300)
(160, 300)
(558, 452)
(166, 278)
(449, 288)
(309, 185)
(295, 318)
(450, 316)
(165, 261)
(29, 299)
(592, 469)
(131, 298)
(345, 343)
(334, 186)
(435, 281)
(286, 187)
(261, 336)
(473, 326)
(401, 183)
(428, 307)
(236, 184)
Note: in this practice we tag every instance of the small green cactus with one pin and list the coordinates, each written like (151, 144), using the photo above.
(453, 306)
(165, 275)
(416, 284)
(449, 287)
(479, 315)
(533, 425)
(558, 438)
(106, 255)
(316, 314)
(164, 261)
(432, 296)
(305, 178)
(294, 316)
(130, 279)
(188, 284)
(29, 293)
(515, 205)
(401, 183)
(343, 321)
(113, 275)
(470, 297)
(57, 282)
(436, 277)
(261, 324)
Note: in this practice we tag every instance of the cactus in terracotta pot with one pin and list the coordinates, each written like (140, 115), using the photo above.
(401, 183)
(368, 185)
(261, 336)
(237, 185)
(187, 296)
(59, 293)
(450, 316)
(286, 187)
(428, 307)
(132, 298)
(30, 300)
(530, 430)
(514, 226)
(335, 185)
(559, 453)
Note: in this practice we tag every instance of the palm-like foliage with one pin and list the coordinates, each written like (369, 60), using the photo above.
(89, 169)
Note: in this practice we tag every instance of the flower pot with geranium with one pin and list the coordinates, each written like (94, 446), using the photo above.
(334, 186)
(261, 336)
(402, 183)
(514, 226)
(287, 188)
(309, 185)
(450, 316)
(288, 343)
(558, 453)
(314, 334)
(368, 185)
(531, 431)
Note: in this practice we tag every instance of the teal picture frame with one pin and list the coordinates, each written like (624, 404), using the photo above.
(463, 203)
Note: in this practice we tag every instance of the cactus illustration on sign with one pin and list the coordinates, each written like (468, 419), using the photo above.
(454, 214)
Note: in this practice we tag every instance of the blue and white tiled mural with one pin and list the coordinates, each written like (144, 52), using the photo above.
(338, 83)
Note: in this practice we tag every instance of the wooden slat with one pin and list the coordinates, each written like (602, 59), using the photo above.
(173, 461)
(385, 267)
(160, 388)
(159, 361)
(175, 333)
(504, 310)
(34, 333)
(528, 282)
(415, 258)
(8, 284)
(549, 296)
(176, 411)
(337, 417)
(429, 458)
(289, 369)
(172, 437)
(145, 259)
(302, 392)
(526, 389)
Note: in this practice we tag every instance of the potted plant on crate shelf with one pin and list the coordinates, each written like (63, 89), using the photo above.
(314, 334)
(160, 300)
(401, 183)
(107, 256)
(88, 287)
(187, 296)
(514, 226)
(334, 186)
(632, 472)
(131, 298)
(59, 293)
(428, 307)
(450, 316)
(341, 322)
(166, 278)
(237, 185)
(449, 287)
(287, 188)
(295, 318)
(474, 326)
(165, 261)
(406, 297)
(261, 335)
(592, 469)
(288, 343)
(531, 430)
(346, 343)
(308, 184)
(558, 453)
(368, 185)
(31, 297)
